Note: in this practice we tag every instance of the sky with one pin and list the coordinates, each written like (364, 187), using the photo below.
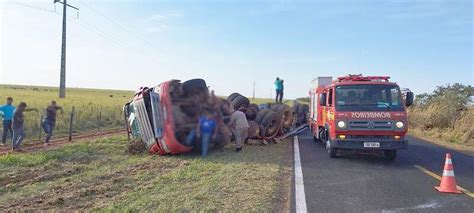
(125, 44)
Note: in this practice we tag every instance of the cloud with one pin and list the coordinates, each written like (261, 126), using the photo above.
(159, 21)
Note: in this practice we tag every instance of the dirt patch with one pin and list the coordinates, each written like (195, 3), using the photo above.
(57, 143)
(31, 176)
(136, 147)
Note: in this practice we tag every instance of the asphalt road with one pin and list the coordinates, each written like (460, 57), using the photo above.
(357, 182)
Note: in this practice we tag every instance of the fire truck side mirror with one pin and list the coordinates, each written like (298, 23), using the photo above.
(322, 99)
(409, 99)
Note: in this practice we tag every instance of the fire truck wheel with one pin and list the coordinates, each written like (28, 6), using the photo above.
(240, 101)
(390, 154)
(232, 96)
(316, 140)
(331, 151)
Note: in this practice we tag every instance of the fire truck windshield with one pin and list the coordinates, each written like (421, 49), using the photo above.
(369, 97)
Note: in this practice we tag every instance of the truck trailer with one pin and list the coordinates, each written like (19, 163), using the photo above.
(358, 112)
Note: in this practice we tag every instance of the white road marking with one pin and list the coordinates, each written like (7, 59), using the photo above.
(300, 198)
(431, 205)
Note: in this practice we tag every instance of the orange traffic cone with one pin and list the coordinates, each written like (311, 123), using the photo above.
(448, 182)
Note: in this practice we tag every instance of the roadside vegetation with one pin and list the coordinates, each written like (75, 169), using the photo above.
(92, 107)
(99, 175)
(444, 114)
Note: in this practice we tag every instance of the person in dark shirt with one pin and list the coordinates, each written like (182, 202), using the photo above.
(281, 91)
(18, 125)
(49, 121)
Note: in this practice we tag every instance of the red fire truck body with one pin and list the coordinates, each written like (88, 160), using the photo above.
(359, 113)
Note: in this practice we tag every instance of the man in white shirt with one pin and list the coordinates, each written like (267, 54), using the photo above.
(239, 125)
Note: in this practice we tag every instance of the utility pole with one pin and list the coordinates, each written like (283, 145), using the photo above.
(253, 90)
(62, 80)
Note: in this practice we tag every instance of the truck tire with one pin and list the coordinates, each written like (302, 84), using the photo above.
(285, 112)
(194, 86)
(232, 96)
(295, 108)
(271, 124)
(251, 113)
(255, 106)
(303, 110)
(254, 129)
(261, 114)
(390, 154)
(331, 151)
(240, 101)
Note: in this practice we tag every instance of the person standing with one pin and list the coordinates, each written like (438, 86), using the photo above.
(7, 111)
(205, 130)
(49, 121)
(281, 92)
(239, 125)
(18, 125)
(277, 89)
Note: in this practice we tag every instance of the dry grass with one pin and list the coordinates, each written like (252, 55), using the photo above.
(98, 175)
(89, 104)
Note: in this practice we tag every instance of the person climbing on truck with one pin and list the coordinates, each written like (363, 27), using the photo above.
(205, 130)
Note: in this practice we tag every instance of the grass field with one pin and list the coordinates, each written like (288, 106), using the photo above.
(98, 175)
(89, 104)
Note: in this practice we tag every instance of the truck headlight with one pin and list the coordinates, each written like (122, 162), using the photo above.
(399, 124)
(341, 124)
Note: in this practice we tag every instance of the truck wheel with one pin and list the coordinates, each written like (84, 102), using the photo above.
(331, 151)
(390, 154)
(285, 112)
(251, 113)
(271, 123)
(240, 101)
(255, 106)
(232, 96)
(192, 86)
(261, 114)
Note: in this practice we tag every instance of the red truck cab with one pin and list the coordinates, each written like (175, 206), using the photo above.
(358, 112)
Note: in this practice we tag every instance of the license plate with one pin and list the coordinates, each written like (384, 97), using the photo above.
(371, 144)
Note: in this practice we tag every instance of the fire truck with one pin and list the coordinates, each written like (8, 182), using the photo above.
(358, 112)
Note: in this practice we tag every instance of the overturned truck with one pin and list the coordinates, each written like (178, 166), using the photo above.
(163, 116)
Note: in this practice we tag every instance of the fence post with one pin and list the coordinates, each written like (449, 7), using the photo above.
(40, 128)
(100, 118)
(71, 121)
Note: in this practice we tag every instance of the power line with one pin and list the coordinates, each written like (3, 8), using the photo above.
(126, 29)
